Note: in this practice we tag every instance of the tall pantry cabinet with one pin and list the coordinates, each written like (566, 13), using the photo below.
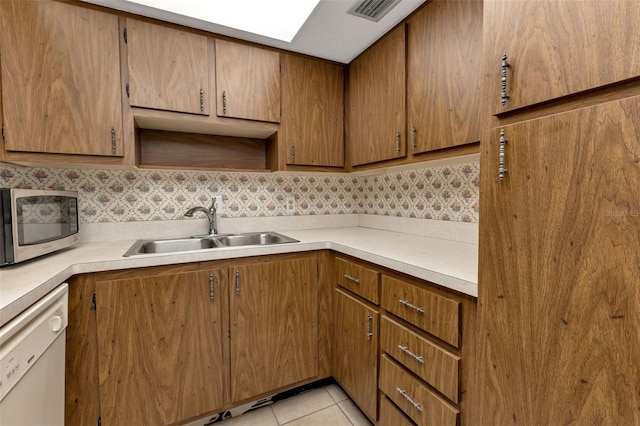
(559, 267)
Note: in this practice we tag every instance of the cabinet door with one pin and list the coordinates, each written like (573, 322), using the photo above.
(355, 351)
(556, 48)
(444, 51)
(247, 82)
(160, 359)
(312, 123)
(274, 325)
(376, 101)
(168, 68)
(60, 79)
(558, 273)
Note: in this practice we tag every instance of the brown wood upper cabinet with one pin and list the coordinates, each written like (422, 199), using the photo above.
(60, 79)
(444, 55)
(168, 68)
(312, 126)
(376, 101)
(557, 48)
(247, 82)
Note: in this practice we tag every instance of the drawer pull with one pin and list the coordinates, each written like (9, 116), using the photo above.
(411, 306)
(350, 278)
(411, 354)
(408, 398)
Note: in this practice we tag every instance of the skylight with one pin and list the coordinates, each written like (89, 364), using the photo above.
(278, 19)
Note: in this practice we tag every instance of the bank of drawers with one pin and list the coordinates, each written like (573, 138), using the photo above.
(419, 369)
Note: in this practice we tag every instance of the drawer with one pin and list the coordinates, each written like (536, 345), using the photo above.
(413, 397)
(362, 281)
(390, 415)
(433, 364)
(431, 311)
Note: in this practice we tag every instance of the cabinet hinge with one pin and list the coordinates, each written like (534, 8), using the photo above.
(4, 136)
(125, 35)
(94, 307)
(99, 421)
(126, 87)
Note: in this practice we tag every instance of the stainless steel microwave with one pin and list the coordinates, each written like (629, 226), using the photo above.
(36, 222)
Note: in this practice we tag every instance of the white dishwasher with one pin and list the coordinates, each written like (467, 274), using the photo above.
(32, 359)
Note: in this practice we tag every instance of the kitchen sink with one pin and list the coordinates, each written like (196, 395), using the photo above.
(207, 242)
(252, 239)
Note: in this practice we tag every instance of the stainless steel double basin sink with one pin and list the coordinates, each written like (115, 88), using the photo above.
(207, 242)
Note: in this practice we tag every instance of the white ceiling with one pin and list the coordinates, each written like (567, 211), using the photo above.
(329, 33)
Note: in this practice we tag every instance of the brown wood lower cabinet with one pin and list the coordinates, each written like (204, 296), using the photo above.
(274, 325)
(355, 351)
(160, 358)
(414, 398)
(169, 344)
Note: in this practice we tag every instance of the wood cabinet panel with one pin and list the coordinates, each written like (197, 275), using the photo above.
(247, 82)
(444, 56)
(312, 126)
(60, 79)
(355, 351)
(359, 279)
(558, 270)
(390, 415)
(274, 325)
(431, 311)
(160, 348)
(82, 395)
(415, 399)
(433, 364)
(376, 101)
(557, 48)
(168, 68)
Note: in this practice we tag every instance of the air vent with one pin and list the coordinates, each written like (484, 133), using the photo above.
(373, 10)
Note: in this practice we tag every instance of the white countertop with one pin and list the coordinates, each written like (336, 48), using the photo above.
(450, 264)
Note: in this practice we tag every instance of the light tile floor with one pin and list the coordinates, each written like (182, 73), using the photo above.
(325, 406)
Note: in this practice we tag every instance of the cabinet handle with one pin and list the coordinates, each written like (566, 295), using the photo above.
(408, 398)
(211, 285)
(237, 281)
(413, 138)
(369, 333)
(201, 100)
(350, 278)
(411, 354)
(224, 102)
(503, 80)
(293, 153)
(113, 140)
(397, 142)
(411, 306)
(502, 171)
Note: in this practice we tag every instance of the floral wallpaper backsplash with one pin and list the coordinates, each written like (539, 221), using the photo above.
(440, 193)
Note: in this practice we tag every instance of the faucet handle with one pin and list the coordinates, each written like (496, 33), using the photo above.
(214, 203)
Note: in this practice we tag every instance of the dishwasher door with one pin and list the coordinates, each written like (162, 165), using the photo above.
(32, 361)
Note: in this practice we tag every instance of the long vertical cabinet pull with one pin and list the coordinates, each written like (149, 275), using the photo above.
(224, 102)
(503, 80)
(237, 281)
(502, 171)
(369, 332)
(211, 285)
(414, 145)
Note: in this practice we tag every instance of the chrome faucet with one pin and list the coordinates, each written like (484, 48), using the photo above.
(211, 215)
